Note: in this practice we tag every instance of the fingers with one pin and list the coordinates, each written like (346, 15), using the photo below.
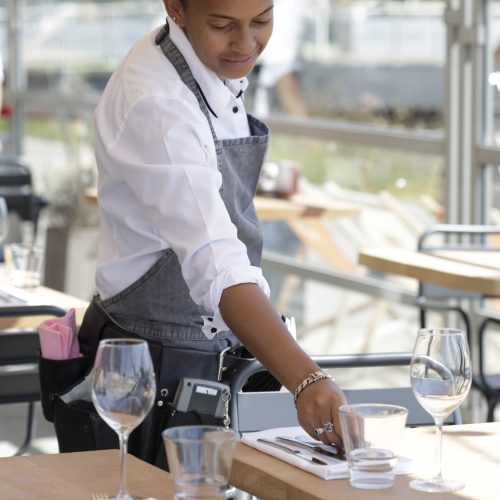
(318, 412)
(327, 432)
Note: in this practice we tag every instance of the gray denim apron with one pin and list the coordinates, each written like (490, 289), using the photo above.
(158, 306)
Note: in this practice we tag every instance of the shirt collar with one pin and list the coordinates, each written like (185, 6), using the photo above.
(218, 93)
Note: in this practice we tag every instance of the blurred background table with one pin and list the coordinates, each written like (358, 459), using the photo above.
(477, 272)
(303, 213)
(40, 295)
(297, 206)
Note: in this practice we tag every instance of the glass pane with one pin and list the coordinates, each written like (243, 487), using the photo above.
(69, 50)
(84, 38)
(493, 50)
(395, 196)
(356, 60)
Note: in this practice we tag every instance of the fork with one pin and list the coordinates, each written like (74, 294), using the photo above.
(100, 496)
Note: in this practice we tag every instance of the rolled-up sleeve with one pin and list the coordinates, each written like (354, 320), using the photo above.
(169, 166)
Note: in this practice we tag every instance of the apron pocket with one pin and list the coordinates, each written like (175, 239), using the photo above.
(56, 376)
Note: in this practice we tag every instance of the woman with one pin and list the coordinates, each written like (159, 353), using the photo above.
(179, 160)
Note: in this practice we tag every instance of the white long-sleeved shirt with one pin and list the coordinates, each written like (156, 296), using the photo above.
(158, 182)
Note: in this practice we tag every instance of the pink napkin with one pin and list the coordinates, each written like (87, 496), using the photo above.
(58, 337)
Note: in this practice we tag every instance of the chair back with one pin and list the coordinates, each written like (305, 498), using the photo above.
(17, 188)
(19, 353)
(454, 237)
(254, 411)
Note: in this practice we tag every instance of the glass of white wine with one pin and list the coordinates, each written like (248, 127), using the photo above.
(123, 391)
(440, 378)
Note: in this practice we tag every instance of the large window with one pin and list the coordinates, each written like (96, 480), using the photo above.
(383, 104)
(375, 62)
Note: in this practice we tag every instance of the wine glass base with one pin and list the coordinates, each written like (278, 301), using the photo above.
(433, 486)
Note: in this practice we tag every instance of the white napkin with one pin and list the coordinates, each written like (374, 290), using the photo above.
(337, 469)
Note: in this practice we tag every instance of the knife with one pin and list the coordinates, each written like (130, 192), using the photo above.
(297, 453)
(311, 447)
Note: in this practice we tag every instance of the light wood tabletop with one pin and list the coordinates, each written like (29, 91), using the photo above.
(297, 206)
(436, 269)
(471, 453)
(76, 476)
(489, 259)
(304, 213)
(40, 295)
(301, 205)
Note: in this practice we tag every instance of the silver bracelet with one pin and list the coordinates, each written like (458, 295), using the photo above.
(310, 379)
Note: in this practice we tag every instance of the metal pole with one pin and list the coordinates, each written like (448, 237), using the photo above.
(451, 110)
(16, 80)
(485, 173)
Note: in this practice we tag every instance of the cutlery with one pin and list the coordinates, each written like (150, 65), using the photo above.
(297, 453)
(307, 445)
(328, 447)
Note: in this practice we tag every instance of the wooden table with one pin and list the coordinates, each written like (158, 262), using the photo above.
(42, 295)
(303, 214)
(470, 453)
(76, 476)
(463, 272)
(295, 207)
(299, 206)
(489, 259)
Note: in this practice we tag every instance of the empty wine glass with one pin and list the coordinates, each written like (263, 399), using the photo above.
(440, 378)
(123, 391)
(4, 219)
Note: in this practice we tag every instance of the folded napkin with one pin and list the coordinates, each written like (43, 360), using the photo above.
(336, 469)
(58, 337)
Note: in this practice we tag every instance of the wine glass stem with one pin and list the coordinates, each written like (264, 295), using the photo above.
(123, 465)
(439, 447)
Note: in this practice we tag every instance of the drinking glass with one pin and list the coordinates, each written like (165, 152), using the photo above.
(440, 378)
(123, 391)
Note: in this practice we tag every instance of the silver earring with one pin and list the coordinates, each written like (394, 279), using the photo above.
(174, 19)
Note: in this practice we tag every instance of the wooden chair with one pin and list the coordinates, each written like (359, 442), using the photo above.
(19, 381)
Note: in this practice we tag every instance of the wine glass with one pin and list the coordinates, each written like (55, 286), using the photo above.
(440, 378)
(4, 219)
(123, 391)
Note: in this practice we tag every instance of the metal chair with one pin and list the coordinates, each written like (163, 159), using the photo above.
(19, 348)
(253, 411)
(453, 237)
(490, 383)
(457, 237)
(17, 188)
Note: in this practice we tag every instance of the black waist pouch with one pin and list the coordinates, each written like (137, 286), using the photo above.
(56, 376)
(66, 389)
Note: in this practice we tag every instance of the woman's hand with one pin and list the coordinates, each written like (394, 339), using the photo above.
(252, 317)
(318, 404)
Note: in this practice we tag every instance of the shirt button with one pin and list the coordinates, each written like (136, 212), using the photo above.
(235, 109)
(213, 330)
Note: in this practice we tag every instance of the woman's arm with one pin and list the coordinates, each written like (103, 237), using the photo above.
(252, 318)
